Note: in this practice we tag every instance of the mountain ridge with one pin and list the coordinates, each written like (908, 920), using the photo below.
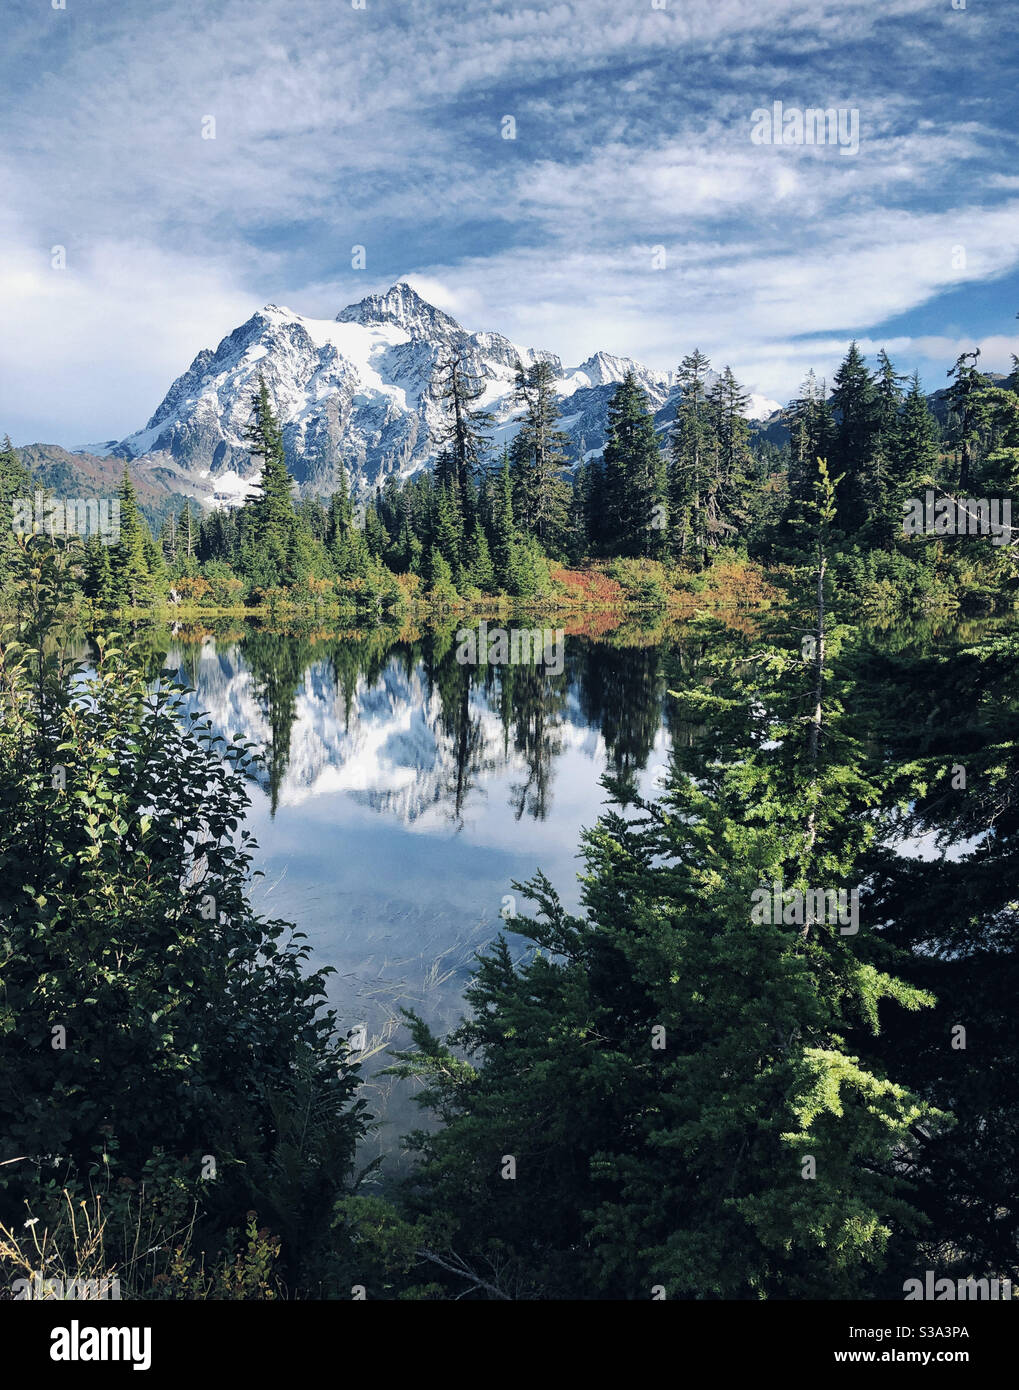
(365, 386)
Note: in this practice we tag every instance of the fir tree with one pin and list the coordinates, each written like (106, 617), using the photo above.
(854, 400)
(15, 482)
(812, 434)
(479, 570)
(132, 553)
(669, 1071)
(465, 434)
(268, 521)
(967, 413)
(538, 454)
(503, 530)
(733, 463)
(635, 482)
(97, 581)
(688, 467)
(915, 451)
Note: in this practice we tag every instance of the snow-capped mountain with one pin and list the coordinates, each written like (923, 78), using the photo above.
(364, 387)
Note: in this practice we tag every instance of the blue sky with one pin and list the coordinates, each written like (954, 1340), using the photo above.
(381, 127)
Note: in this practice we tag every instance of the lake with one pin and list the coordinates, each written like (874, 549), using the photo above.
(402, 791)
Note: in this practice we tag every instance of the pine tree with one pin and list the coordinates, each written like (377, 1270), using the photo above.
(538, 454)
(440, 577)
(733, 463)
(447, 528)
(342, 540)
(915, 452)
(156, 567)
(578, 533)
(375, 536)
(884, 519)
(97, 581)
(854, 400)
(168, 539)
(131, 554)
(503, 529)
(15, 482)
(967, 413)
(669, 1072)
(688, 467)
(479, 570)
(465, 436)
(267, 522)
(812, 431)
(634, 473)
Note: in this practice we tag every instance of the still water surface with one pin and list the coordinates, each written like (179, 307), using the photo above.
(403, 792)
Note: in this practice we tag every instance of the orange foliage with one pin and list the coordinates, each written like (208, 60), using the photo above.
(192, 586)
(737, 583)
(588, 588)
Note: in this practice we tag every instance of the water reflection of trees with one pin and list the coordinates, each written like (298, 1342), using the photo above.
(460, 725)
(617, 690)
(621, 691)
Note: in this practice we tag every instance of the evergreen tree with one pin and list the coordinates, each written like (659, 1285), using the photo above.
(375, 537)
(688, 468)
(669, 1072)
(915, 451)
(168, 539)
(217, 536)
(635, 481)
(854, 453)
(967, 413)
(156, 567)
(15, 482)
(267, 523)
(440, 577)
(447, 528)
(812, 435)
(187, 532)
(479, 569)
(503, 530)
(344, 543)
(97, 580)
(733, 462)
(464, 438)
(578, 532)
(885, 474)
(538, 454)
(131, 554)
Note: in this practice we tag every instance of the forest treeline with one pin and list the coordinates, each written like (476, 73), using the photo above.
(658, 507)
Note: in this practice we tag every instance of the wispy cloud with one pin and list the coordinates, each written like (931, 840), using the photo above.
(382, 127)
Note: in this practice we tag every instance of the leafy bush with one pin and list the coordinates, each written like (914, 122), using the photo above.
(143, 1004)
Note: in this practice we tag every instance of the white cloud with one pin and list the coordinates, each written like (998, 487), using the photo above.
(91, 349)
(381, 127)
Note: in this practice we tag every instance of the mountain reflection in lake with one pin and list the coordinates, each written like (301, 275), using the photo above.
(401, 793)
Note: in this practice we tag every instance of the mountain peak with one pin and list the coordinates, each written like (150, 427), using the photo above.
(402, 306)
